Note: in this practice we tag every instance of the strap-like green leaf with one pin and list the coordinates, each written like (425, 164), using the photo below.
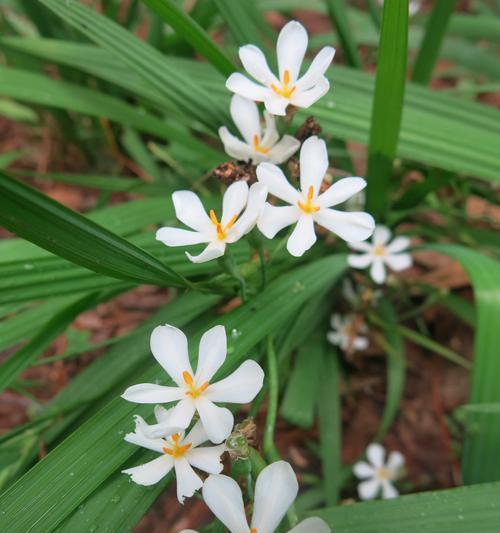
(45, 222)
(480, 460)
(387, 104)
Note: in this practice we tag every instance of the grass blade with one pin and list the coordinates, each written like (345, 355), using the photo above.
(192, 32)
(480, 460)
(45, 222)
(387, 105)
(337, 10)
(431, 44)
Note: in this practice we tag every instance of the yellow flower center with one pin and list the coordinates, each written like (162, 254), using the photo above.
(308, 207)
(258, 147)
(254, 530)
(285, 90)
(384, 473)
(221, 231)
(379, 250)
(176, 451)
(193, 390)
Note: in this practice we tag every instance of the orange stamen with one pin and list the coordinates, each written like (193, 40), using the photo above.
(176, 451)
(193, 391)
(258, 147)
(253, 530)
(285, 90)
(221, 231)
(308, 207)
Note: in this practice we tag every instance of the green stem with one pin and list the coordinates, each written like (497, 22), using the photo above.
(228, 263)
(270, 451)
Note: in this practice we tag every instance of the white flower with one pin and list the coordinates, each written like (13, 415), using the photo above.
(378, 475)
(257, 147)
(308, 205)
(359, 295)
(380, 253)
(345, 333)
(275, 490)
(208, 228)
(277, 92)
(178, 451)
(194, 391)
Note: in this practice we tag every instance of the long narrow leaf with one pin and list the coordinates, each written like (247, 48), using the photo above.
(45, 222)
(387, 104)
(337, 10)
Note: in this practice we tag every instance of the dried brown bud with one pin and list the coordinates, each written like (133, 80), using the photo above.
(309, 128)
(233, 171)
(294, 168)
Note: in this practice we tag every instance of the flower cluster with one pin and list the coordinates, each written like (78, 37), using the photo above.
(244, 208)
(190, 436)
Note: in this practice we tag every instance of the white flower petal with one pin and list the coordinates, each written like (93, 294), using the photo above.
(180, 237)
(398, 262)
(375, 453)
(335, 338)
(276, 104)
(275, 490)
(351, 226)
(188, 531)
(223, 497)
(337, 321)
(360, 343)
(363, 470)
(150, 473)
(389, 491)
(273, 219)
(313, 164)
(190, 211)
(395, 461)
(151, 393)
(239, 387)
(283, 150)
(255, 63)
(239, 84)
(234, 200)
(291, 48)
(162, 415)
(308, 98)
(311, 525)
(377, 271)
(183, 413)
(245, 115)
(317, 69)
(360, 246)
(368, 489)
(217, 421)
(211, 354)
(169, 346)
(246, 222)
(303, 236)
(234, 146)
(207, 459)
(276, 182)
(271, 134)
(196, 436)
(214, 250)
(140, 439)
(341, 191)
(398, 244)
(188, 482)
(381, 235)
(359, 260)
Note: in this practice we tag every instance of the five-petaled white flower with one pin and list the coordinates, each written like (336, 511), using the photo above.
(257, 147)
(208, 228)
(346, 331)
(277, 92)
(275, 490)
(178, 451)
(380, 253)
(308, 205)
(377, 473)
(194, 391)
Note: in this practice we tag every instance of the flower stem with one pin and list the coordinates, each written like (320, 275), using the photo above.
(270, 451)
(228, 263)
